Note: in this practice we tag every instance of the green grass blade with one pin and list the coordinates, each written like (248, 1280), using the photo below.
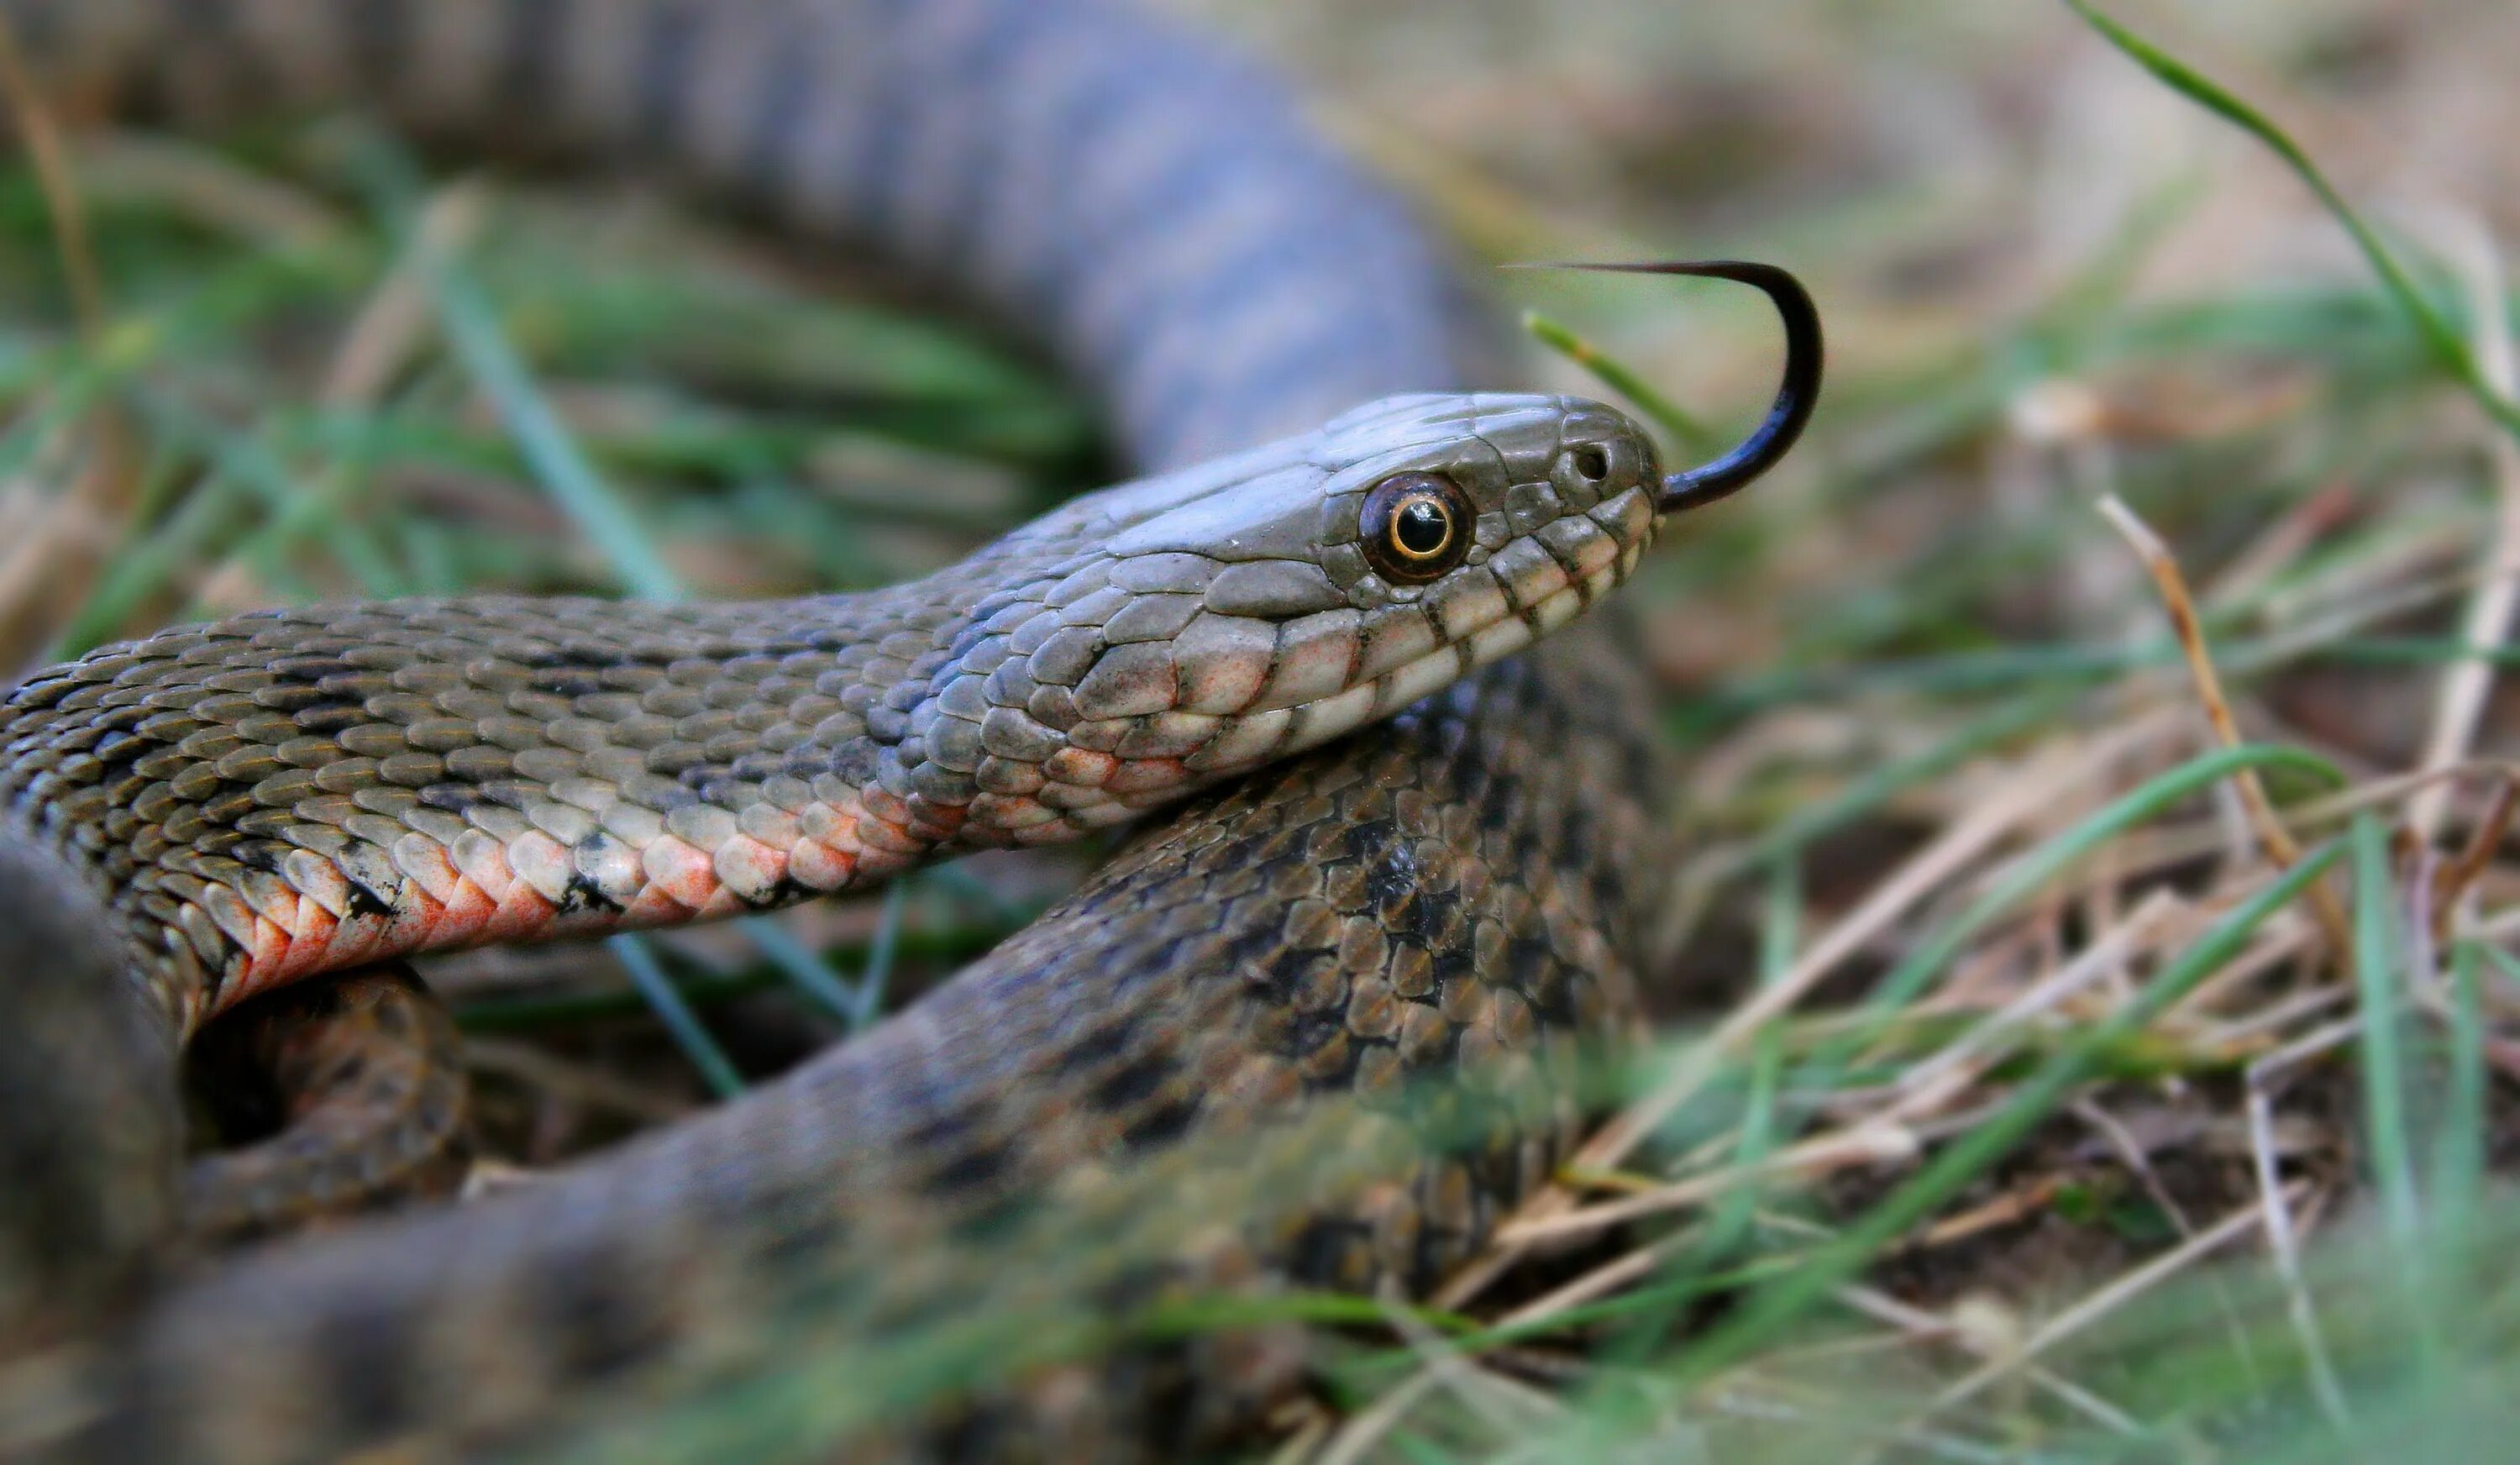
(878, 976)
(857, 1003)
(2377, 964)
(1868, 793)
(148, 563)
(2458, 1145)
(1780, 937)
(1622, 379)
(1783, 1303)
(2152, 797)
(648, 974)
(801, 968)
(558, 463)
(2439, 335)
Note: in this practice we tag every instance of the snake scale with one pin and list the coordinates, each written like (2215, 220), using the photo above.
(220, 810)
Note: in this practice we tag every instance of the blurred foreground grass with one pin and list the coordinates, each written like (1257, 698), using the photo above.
(2047, 1073)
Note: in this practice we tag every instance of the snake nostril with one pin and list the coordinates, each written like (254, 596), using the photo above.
(1592, 464)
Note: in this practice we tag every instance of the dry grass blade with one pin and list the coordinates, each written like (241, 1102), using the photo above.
(2000, 814)
(1506, 1405)
(2106, 1300)
(2283, 1245)
(395, 317)
(2452, 877)
(199, 184)
(1927, 1326)
(2437, 332)
(389, 329)
(575, 1081)
(54, 561)
(42, 139)
(2466, 683)
(1945, 1076)
(1868, 1143)
(2277, 841)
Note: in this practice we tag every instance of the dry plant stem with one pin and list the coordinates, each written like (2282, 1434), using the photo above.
(43, 143)
(1368, 1429)
(1302, 1440)
(1869, 1143)
(1356, 1437)
(2451, 879)
(2397, 576)
(2311, 1044)
(2283, 1245)
(396, 316)
(1980, 979)
(1924, 1326)
(581, 1083)
(64, 550)
(1361, 1434)
(2419, 910)
(2280, 545)
(2272, 837)
(1508, 1405)
(2282, 940)
(2106, 1300)
(2501, 926)
(2130, 1154)
(2427, 923)
(1626, 1269)
(2467, 681)
(1809, 1407)
(1942, 1077)
(201, 186)
(2005, 1209)
(2149, 851)
(388, 329)
(2256, 1026)
(2031, 790)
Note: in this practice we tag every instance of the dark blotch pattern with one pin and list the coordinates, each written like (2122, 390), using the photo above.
(1171, 232)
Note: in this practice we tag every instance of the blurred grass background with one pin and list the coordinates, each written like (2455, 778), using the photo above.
(2015, 1104)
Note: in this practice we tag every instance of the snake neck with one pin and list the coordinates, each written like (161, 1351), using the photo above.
(267, 797)
(307, 790)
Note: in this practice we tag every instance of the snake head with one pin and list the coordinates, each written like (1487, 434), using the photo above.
(1196, 624)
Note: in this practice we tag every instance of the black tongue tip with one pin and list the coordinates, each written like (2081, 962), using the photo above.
(1795, 397)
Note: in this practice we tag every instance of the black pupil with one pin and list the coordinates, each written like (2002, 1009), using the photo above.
(1422, 526)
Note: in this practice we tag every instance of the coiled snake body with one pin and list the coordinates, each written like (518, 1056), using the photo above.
(220, 809)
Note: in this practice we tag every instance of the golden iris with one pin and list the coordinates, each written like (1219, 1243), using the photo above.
(1415, 527)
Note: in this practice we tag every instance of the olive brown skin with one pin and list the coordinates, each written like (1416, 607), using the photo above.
(1465, 888)
(286, 794)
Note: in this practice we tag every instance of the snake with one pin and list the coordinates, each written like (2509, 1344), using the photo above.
(1377, 841)
(356, 1092)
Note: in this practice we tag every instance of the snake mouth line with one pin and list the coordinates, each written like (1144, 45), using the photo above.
(1311, 723)
(1261, 737)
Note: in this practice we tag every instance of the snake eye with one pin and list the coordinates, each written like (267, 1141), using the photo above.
(1415, 527)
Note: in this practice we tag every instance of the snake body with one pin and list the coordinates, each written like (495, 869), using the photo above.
(313, 789)
(356, 1090)
(218, 809)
